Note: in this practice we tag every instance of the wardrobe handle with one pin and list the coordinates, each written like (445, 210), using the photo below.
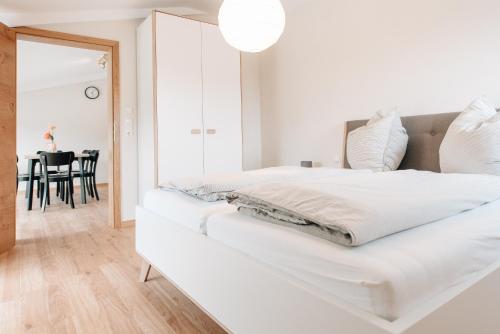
(195, 131)
(211, 131)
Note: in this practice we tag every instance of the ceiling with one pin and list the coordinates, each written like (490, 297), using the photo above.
(71, 5)
(35, 12)
(41, 66)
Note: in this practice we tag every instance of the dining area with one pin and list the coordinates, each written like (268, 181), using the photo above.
(62, 135)
(59, 170)
(50, 176)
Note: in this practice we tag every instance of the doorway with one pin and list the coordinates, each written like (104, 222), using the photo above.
(8, 56)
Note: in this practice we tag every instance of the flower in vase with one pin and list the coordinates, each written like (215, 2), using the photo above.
(47, 136)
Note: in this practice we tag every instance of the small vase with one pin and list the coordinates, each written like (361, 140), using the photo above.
(52, 147)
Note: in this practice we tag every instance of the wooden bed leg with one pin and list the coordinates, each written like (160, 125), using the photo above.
(145, 269)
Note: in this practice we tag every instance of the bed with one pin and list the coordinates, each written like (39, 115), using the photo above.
(389, 277)
(224, 272)
(183, 209)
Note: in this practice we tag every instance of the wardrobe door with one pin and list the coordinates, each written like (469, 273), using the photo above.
(221, 103)
(179, 97)
(145, 109)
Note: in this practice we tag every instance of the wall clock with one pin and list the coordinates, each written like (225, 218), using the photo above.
(92, 92)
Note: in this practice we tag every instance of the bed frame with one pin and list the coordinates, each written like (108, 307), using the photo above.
(246, 296)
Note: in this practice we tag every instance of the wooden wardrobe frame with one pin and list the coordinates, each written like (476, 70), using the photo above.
(112, 48)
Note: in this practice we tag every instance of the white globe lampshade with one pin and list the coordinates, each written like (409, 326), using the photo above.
(251, 25)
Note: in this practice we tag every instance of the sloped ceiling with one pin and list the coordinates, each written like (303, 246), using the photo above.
(43, 66)
(36, 12)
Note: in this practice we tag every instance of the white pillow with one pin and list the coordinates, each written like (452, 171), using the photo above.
(380, 145)
(472, 143)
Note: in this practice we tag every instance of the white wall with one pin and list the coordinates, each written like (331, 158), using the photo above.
(81, 122)
(343, 60)
(123, 32)
(251, 115)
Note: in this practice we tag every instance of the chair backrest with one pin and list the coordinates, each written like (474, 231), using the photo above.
(57, 159)
(40, 152)
(92, 159)
(94, 156)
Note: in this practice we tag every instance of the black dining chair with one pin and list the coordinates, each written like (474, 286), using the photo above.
(63, 176)
(59, 185)
(94, 157)
(82, 171)
(25, 177)
(89, 172)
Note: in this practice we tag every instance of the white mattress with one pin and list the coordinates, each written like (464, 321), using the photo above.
(183, 209)
(387, 277)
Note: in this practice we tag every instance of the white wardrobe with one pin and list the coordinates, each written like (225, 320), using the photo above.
(189, 101)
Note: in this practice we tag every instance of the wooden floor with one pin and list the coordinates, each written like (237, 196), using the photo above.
(71, 273)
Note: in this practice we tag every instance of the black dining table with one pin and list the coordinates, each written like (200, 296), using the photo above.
(33, 159)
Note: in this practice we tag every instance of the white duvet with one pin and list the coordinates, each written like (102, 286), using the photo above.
(215, 187)
(355, 209)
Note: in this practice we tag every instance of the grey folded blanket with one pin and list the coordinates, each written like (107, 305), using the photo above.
(352, 210)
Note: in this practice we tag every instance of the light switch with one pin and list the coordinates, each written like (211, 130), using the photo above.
(128, 123)
(129, 127)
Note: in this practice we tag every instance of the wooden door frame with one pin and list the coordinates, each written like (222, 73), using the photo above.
(8, 134)
(112, 48)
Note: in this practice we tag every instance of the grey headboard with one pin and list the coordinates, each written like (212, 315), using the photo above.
(426, 132)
